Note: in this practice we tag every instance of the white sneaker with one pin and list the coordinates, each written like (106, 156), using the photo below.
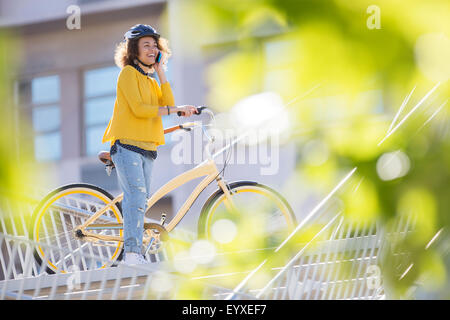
(132, 258)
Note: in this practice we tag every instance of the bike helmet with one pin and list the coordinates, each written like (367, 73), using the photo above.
(141, 30)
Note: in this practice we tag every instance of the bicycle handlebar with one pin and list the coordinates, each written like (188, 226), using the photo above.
(199, 111)
(188, 126)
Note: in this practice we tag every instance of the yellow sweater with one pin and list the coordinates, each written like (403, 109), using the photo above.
(135, 117)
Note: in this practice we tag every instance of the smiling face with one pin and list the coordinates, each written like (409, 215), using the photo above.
(145, 49)
(148, 50)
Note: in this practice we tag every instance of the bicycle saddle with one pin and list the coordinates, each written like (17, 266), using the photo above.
(105, 157)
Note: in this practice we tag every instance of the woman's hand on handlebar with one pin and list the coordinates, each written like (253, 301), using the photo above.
(186, 111)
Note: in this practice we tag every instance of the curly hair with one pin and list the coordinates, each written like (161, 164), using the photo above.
(126, 52)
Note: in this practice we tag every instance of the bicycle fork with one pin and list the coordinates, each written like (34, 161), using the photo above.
(228, 193)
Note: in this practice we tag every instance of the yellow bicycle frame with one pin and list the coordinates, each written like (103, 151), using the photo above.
(207, 168)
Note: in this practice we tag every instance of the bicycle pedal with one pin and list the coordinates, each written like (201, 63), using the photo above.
(149, 245)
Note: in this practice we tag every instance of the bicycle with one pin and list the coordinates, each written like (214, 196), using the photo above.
(86, 218)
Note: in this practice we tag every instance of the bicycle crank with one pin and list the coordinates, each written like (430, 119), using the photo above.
(155, 234)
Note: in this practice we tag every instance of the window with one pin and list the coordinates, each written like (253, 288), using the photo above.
(41, 97)
(99, 98)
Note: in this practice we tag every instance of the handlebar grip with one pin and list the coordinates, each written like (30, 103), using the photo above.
(199, 111)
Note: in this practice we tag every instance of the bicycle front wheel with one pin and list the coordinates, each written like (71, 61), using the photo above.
(260, 221)
(53, 226)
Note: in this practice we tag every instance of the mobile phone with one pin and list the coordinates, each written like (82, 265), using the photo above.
(158, 57)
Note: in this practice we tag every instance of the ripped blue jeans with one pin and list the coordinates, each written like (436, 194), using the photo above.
(133, 173)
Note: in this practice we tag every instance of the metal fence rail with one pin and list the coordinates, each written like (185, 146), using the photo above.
(341, 261)
(15, 218)
(152, 281)
(347, 265)
(23, 277)
(334, 269)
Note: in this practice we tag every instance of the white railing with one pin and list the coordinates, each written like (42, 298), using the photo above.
(152, 281)
(347, 265)
(15, 218)
(23, 277)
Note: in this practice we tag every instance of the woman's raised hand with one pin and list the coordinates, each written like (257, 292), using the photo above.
(158, 66)
(187, 110)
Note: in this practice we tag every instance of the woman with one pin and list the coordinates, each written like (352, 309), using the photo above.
(135, 129)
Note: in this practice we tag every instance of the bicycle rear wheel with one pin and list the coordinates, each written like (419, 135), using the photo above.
(55, 219)
(263, 219)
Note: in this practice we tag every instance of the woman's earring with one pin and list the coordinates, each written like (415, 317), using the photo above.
(135, 61)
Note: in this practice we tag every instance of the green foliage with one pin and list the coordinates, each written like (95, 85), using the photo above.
(360, 77)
